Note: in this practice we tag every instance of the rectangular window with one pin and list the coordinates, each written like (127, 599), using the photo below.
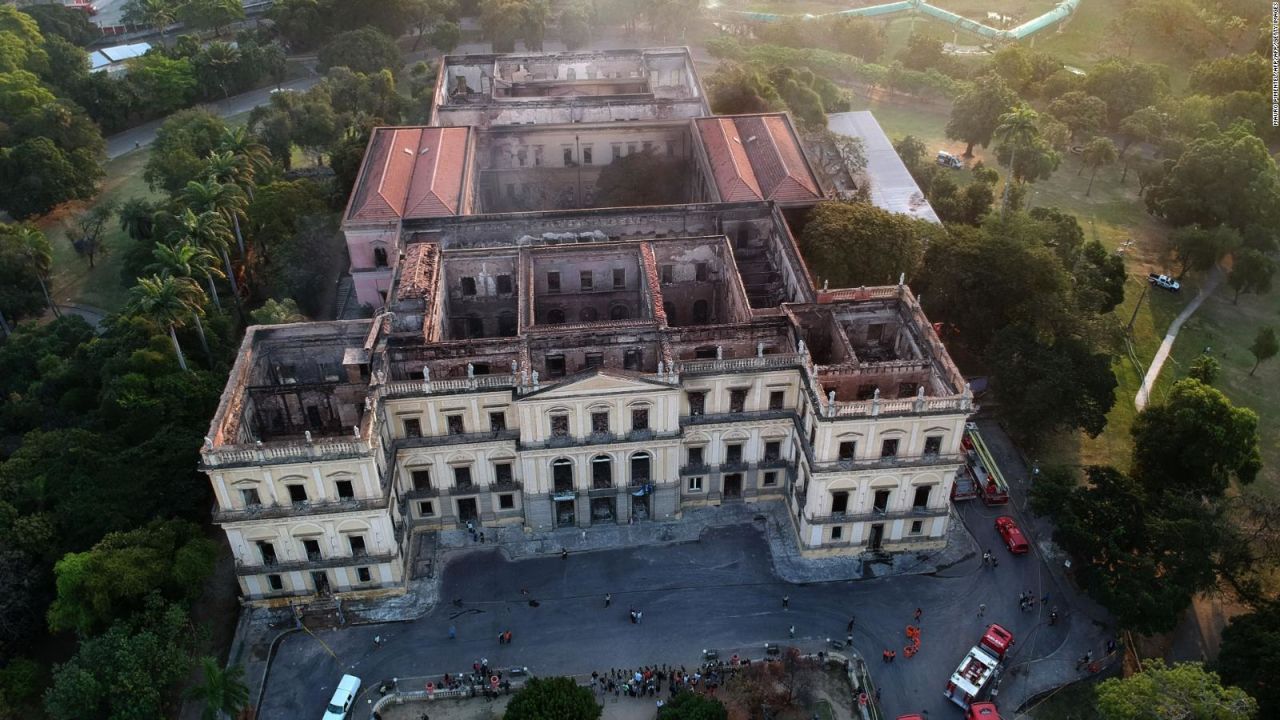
(559, 426)
(695, 484)
(770, 479)
(617, 151)
(599, 422)
(275, 582)
(507, 501)
(421, 479)
(362, 575)
(426, 508)
(267, 551)
(593, 359)
(917, 527)
(847, 449)
(297, 494)
(631, 148)
(504, 284)
(412, 427)
(697, 403)
(619, 278)
(345, 491)
(737, 400)
(933, 445)
(631, 359)
(921, 499)
(777, 399)
(468, 286)
(773, 450)
(695, 456)
(647, 145)
(553, 282)
(640, 419)
(668, 274)
(907, 389)
(733, 453)
(585, 280)
(462, 477)
(249, 496)
(586, 154)
(555, 366)
(497, 421)
(881, 501)
(456, 426)
(889, 448)
(700, 272)
(502, 472)
(839, 503)
(568, 156)
(357, 545)
(837, 532)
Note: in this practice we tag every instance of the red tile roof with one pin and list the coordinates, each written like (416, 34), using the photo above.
(755, 157)
(411, 172)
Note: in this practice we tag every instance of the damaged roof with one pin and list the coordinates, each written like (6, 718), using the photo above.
(411, 172)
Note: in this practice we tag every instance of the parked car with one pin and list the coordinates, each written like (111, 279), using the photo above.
(1164, 281)
(1012, 535)
(982, 711)
(343, 698)
(946, 159)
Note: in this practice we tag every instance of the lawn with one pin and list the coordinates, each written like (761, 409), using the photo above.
(73, 280)
(1114, 215)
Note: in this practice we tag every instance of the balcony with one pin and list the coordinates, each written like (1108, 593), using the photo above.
(734, 466)
(773, 463)
(317, 563)
(732, 417)
(560, 441)
(269, 512)
(457, 439)
(695, 469)
(602, 490)
(506, 486)
(895, 461)
(876, 516)
(420, 493)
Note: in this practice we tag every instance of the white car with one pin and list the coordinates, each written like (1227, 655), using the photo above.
(343, 698)
(1164, 281)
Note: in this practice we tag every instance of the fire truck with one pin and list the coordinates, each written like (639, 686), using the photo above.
(979, 667)
(980, 476)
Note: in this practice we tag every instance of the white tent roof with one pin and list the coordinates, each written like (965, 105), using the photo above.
(892, 187)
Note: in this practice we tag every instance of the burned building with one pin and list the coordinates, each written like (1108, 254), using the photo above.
(540, 362)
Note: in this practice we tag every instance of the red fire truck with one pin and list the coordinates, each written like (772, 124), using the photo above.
(980, 477)
(980, 665)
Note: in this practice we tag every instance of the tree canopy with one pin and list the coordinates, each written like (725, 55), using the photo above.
(976, 113)
(365, 50)
(1223, 178)
(854, 243)
(1250, 656)
(1185, 690)
(555, 698)
(693, 706)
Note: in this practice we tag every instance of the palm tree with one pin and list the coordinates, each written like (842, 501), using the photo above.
(223, 691)
(165, 300)
(223, 198)
(238, 141)
(187, 259)
(159, 14)
(1019, 128)
(228, 167)
(1100, 151)
(40, 256)
(137, 218)
(207, 230)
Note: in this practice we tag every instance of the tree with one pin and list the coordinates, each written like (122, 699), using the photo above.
(89, 236)
(1195, 442)
(575, 23)
(1205, 369)
(1225, 75)
(1264, 347)
(128, 671)
(277, 312)
(25, 260)
(223, 692)
(365, 50)
(36, 176)
(1144, 125)
(1199, 249)
(167, 83)
(186, 259)
(1250, 273)
(556, 698)
(978, 112)
(1022, 148)
(1250, 656)
(736, 89)
(924, 51)
(1046, 387)
(181, 147)
(156, 14)
(1225, 178)
(1125, 86)
(226, 200)
(1098, 152)
(210, 14)
(166, 301)
(63, 21)
(693, 706)
(1082, 113)
(1185, 690)
(857, 243)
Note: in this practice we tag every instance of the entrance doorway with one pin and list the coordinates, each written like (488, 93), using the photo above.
(321, 580)
(640, 507)
(564, 513)
(602, 510)
(467, 510)
(733, 486)
(877, 536)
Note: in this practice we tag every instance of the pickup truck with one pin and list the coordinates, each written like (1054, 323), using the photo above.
(1164, 281)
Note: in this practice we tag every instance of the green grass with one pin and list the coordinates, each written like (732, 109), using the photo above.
(73, 280)
(1073, 702)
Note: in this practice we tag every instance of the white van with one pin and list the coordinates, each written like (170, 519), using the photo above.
(343, 698)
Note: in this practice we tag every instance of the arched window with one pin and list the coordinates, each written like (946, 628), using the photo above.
(619, 312)
(640, 468)
(587, 314)
(380, 257)
(555, 317)
(562, 475)
(601, 472)
(700, 314)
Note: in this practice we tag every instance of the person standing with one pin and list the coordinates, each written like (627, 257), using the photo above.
(919, 612)
(982, 609)
(786, 601)
(608, 598)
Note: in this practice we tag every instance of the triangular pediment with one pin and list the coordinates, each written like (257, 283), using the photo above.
(599, 382)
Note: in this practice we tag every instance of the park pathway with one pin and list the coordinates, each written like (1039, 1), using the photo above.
(1149, 381)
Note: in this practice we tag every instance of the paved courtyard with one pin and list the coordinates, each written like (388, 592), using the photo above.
(719, 591)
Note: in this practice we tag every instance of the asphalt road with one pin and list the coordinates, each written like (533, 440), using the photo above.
(719, 592)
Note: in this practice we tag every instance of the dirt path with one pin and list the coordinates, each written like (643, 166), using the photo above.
(1144, 393)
